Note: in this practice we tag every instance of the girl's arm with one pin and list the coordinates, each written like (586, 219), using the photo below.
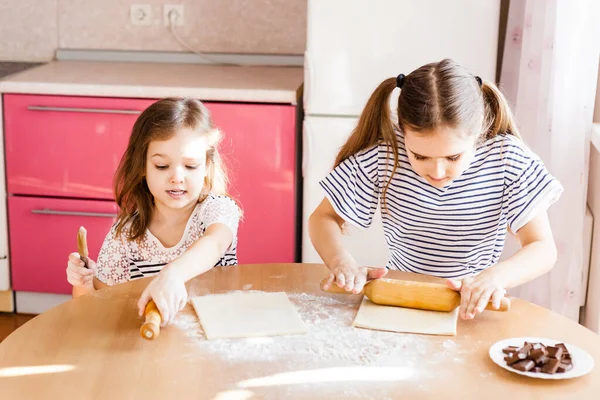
(168, 288)
(112, 266)
(203, 254)
(325, 228)
(536, 257)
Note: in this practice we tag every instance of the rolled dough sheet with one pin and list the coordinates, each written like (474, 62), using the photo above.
(238, 315)
(405, 320)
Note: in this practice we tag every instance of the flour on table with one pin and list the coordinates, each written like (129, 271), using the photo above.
(331, 340)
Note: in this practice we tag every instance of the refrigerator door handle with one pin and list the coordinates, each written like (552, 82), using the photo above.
(47, 211)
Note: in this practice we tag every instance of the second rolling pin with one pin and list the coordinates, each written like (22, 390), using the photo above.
(412, 294)
(82, 247)
(151, 327)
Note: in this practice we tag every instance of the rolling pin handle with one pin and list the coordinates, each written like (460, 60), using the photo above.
(151, 327)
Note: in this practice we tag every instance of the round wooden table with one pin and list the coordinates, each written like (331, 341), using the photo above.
(90, 348)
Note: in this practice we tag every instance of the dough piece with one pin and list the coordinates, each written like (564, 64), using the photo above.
(238, 315)
(405, 320)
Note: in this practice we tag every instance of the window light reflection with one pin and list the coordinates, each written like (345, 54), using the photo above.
(341, 374)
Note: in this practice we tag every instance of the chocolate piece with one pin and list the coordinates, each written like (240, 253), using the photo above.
(562, 346)
(524, 365)
(551, 366)
(537, 357)
(510, 349)
(523, 352)
(566, 360)
(554, 352)
(565, 351)
(562, 367)
(540, 362)
(511, 359)
(538, 354)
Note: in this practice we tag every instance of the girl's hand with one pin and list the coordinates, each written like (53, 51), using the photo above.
(77, 274)
(351, 277)
(168, 292)
(475, 293)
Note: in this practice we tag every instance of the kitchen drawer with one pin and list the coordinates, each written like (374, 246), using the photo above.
(66, 146)
(43, 232)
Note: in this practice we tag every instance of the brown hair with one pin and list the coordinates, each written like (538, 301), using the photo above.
(160, 121)
(437, 94)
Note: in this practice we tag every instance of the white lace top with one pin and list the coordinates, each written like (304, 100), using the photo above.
(121, 260)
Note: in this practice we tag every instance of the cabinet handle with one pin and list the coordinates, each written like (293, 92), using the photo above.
(83, 110)
(47, 211)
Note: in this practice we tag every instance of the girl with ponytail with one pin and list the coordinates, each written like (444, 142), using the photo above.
(451, 176)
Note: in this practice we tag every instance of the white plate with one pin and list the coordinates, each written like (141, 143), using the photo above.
(582, 361)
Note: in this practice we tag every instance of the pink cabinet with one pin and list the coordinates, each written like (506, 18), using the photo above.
(62, 152)
(66, 146)
(43, 231)
(259, 150)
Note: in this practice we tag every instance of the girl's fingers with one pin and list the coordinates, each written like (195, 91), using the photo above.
(497, 297)
(483, 301)
(349, 283)
(175, 308)
(164, 311)
(359, 283)
(454, 284)
(74, 258)
(329, 282)
(376, 273)
(143, 301)
(470, 310)
(74, 278)
(465, 299)
(340, 279)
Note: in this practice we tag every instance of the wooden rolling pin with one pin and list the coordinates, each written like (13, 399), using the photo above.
(412, 294)
(82, 247)
(151, 327)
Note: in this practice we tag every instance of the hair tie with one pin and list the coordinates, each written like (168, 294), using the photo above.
(479, 81)
(400, 81)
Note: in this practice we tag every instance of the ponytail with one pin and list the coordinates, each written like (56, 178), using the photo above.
(374, 124)
(499, 117)
(374, 127)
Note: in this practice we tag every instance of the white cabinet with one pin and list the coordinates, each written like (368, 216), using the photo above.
(323, 138)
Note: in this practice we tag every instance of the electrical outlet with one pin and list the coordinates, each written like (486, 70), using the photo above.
(174, 11)
(140, 14)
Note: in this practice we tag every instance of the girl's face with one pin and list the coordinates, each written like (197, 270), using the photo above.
(440, 155)
(175, 169)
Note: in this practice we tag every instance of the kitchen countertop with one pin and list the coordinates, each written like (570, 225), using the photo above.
(156, 80)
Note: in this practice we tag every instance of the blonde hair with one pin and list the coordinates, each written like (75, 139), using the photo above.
(160, 121)
(437, 94)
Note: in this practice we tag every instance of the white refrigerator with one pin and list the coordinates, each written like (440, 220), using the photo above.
(353, 45)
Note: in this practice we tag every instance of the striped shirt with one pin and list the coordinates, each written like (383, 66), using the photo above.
(450, 232)
(121, 260)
